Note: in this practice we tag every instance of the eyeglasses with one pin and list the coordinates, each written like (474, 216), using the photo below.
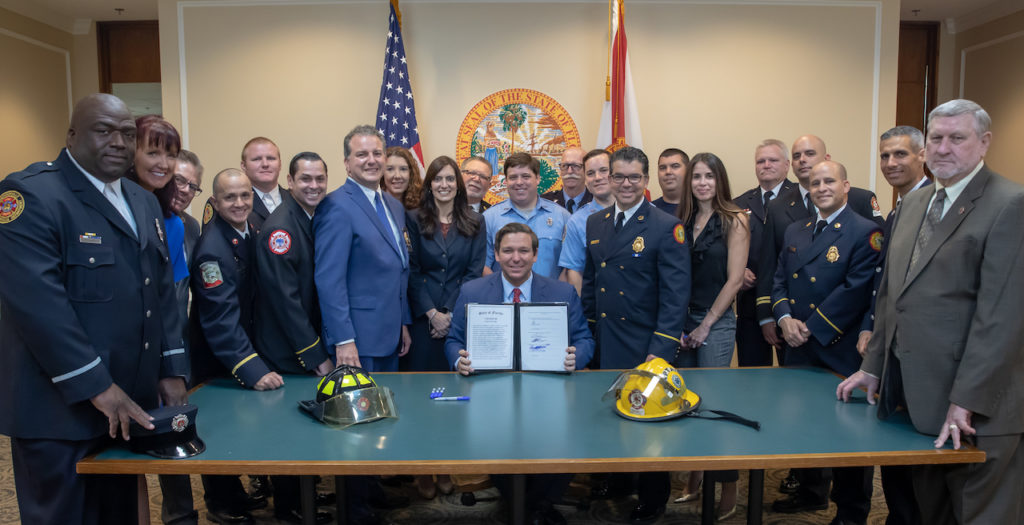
(477, 174)
(633, 178)
(183, 185)
(569, 166)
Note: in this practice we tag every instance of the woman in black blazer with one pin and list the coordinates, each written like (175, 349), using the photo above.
(447, 242)
(447, 249)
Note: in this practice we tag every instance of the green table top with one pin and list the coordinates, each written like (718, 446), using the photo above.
(534, 422)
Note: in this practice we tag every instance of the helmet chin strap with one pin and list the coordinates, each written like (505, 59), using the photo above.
(726, 416)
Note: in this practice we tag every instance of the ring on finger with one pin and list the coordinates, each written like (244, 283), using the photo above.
(954, 427)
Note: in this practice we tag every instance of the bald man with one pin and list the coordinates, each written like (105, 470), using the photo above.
(573, 194)
(86, 302)
(821, 290)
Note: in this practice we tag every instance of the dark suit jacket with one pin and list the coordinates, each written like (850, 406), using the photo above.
(954, 319)
(361, 276)
(223, 292)
(192, 233)
(784, 210)
(489, 290)
(558, 198)
(84, 302)
(286, 327)
(438, 267)
(826, 283)
(636, 285)
(751, 202)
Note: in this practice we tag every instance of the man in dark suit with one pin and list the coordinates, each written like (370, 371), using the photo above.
(261, 163)
(476, 173)
(792, 206)
(636, 287)
(771, 164)
(188, 176)
(223, 291)
(901, 159)
(948, 343)
(574, 193)
(86, 293)
(286, 325)
(516, 250)
(822, 288)
(362, 262)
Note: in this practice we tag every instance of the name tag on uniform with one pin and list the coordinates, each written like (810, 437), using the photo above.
(595, 241)
(90, 238)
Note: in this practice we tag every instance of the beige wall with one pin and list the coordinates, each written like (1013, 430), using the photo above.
(993, 51)
(34, 81)
(708, 76)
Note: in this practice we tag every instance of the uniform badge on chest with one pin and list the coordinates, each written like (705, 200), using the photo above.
(832, 255)
(638, 246)
(159, 230)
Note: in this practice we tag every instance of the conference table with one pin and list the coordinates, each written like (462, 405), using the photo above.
(524, 423)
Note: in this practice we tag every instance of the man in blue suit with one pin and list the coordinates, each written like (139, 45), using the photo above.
(515, 246)
(515, 249)
(362, 262)
(822, 289)
(87, 305)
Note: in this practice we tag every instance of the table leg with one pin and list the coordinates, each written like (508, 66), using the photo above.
(341, 508)
(707, 501)
(307, 492)
(755, 499)
(518, 510)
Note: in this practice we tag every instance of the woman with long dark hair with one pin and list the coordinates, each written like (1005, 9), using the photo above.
(447, 240)
(402, 177)
(719, 234)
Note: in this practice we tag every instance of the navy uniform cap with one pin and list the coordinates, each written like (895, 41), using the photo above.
(173, 436)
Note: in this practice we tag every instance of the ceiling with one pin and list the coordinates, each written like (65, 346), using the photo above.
(75, 15)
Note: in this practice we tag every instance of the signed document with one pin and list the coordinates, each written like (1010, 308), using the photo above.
(543, 336)
(490, 336)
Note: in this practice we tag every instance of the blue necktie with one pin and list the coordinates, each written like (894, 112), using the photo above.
(383, 216)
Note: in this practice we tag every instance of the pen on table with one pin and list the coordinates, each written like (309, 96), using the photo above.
(452, 398)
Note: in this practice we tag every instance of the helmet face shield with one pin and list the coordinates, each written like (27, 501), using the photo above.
(651, 392)
(348, 396)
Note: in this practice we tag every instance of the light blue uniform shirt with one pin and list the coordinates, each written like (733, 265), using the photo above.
(548, 221)
(574, 249)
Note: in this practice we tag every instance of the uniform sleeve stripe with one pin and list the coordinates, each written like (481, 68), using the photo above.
(764, 300)
(668, 337)
(242, 362)
(308, 347)
(176, 351)
(779, 301)
(77, 372)
(834, 327)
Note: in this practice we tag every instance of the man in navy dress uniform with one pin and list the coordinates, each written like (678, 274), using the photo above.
(87, 290)
(822, 289)
(636, 287)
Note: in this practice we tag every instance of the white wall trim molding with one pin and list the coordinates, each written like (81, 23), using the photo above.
(55, 49)
(975, 47)
(873, 4)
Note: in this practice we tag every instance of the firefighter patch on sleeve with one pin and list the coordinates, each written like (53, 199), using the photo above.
(210, 272)
(280, 242)
(11, 205)
(876, 241)
(207, 213)
(680, 234)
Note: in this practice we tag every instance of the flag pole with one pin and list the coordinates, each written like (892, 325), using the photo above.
(608, 64)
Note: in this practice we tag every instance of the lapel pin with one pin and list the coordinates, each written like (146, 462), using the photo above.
(550, 221)
(961, 210)
(838, 225)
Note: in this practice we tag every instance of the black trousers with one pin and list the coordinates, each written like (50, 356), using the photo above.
(851, 489)
(751, 348)
(898, 486)
(50, 492)
(224, 493)
(177, 507)
(539, 487)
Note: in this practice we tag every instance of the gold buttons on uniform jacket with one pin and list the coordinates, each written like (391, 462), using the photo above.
(602, 290)
(603, 265)
(149, 313)
(791, 301)
(604, 315)
(145, 346)
(813, 279)
(812, 306)
(92, 260)
(146, 282)
(621, 292)
(795, 276)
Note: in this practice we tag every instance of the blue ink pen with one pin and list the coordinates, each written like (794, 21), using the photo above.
(452, 398)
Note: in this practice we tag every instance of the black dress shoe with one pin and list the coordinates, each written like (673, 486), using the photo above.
(260, 486)
(795, 503)
(645, 514)
(255, 502)
(294, 516)
(387, 501)
(789, 485)
(546, 514)
(222, 516)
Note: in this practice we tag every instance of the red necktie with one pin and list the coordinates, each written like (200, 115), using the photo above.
(517, 295)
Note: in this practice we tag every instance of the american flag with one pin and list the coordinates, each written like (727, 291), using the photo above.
(396, 114)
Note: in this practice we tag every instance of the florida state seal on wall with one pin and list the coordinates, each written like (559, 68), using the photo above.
(515, 120)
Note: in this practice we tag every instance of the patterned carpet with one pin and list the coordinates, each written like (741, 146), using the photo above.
(488, 509)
